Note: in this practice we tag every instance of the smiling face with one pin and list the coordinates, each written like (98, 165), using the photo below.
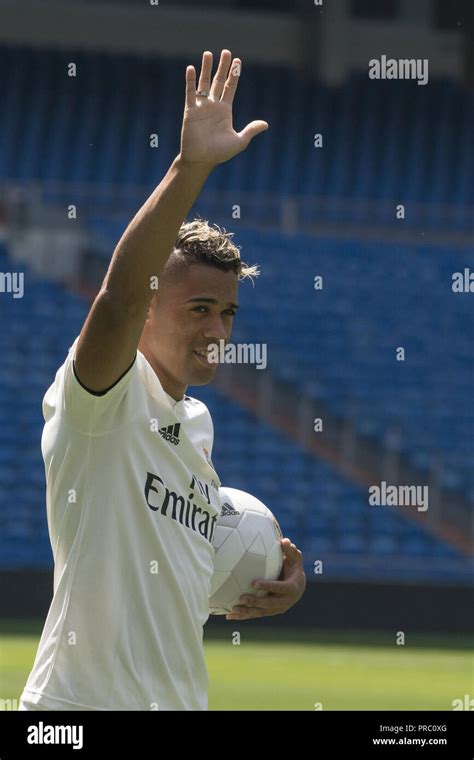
(189, 313)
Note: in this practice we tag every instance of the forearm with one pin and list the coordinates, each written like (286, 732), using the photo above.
(146, 244)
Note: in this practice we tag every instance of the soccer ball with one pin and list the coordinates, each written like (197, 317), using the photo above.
(247, 543)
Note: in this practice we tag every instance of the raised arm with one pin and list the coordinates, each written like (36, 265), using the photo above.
(111, 333)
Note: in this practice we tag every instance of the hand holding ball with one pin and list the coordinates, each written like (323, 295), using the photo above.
(247, 544)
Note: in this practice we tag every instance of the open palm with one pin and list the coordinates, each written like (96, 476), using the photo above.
(207, 134)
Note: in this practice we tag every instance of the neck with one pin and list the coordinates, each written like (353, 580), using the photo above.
(169, 384)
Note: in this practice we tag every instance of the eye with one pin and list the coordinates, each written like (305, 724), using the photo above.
(196, 308)
(231, 312)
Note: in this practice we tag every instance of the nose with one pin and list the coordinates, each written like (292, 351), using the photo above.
(215, 329)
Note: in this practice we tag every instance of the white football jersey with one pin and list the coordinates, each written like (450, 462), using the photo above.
(132, 504)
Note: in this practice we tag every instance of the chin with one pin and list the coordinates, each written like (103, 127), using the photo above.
(202, 378)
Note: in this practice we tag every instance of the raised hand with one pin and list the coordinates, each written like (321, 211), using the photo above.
(207, 135)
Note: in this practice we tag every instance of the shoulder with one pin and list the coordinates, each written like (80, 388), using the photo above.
(198, 412)
(195, 405)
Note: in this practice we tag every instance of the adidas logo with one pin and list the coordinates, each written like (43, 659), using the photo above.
(228, 509)
(171, 433)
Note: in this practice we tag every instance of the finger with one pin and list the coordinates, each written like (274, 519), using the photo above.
(262, 602)
(206, 69)
(251, 130)
(232, 81)
(276, 587)
(221, 74)
(290, 550)
(244, 613)
(190, 87)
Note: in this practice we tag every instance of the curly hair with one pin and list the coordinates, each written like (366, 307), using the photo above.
(199, 242)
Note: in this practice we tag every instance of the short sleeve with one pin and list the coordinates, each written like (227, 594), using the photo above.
(94, 413)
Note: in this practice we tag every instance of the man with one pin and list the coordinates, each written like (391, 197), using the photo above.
(132, 496)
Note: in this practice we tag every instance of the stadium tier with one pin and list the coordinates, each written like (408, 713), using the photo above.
(328, 515)
(379, 142)
(339, 343)
(325, 514)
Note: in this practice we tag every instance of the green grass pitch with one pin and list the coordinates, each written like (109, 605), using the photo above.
(272, 669)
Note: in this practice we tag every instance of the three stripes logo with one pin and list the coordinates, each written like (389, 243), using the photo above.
(171, 433)
(227, 510)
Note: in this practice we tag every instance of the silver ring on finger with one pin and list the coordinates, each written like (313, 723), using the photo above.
(203, 93)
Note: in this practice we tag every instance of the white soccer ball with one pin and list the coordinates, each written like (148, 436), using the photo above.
(247, 543)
